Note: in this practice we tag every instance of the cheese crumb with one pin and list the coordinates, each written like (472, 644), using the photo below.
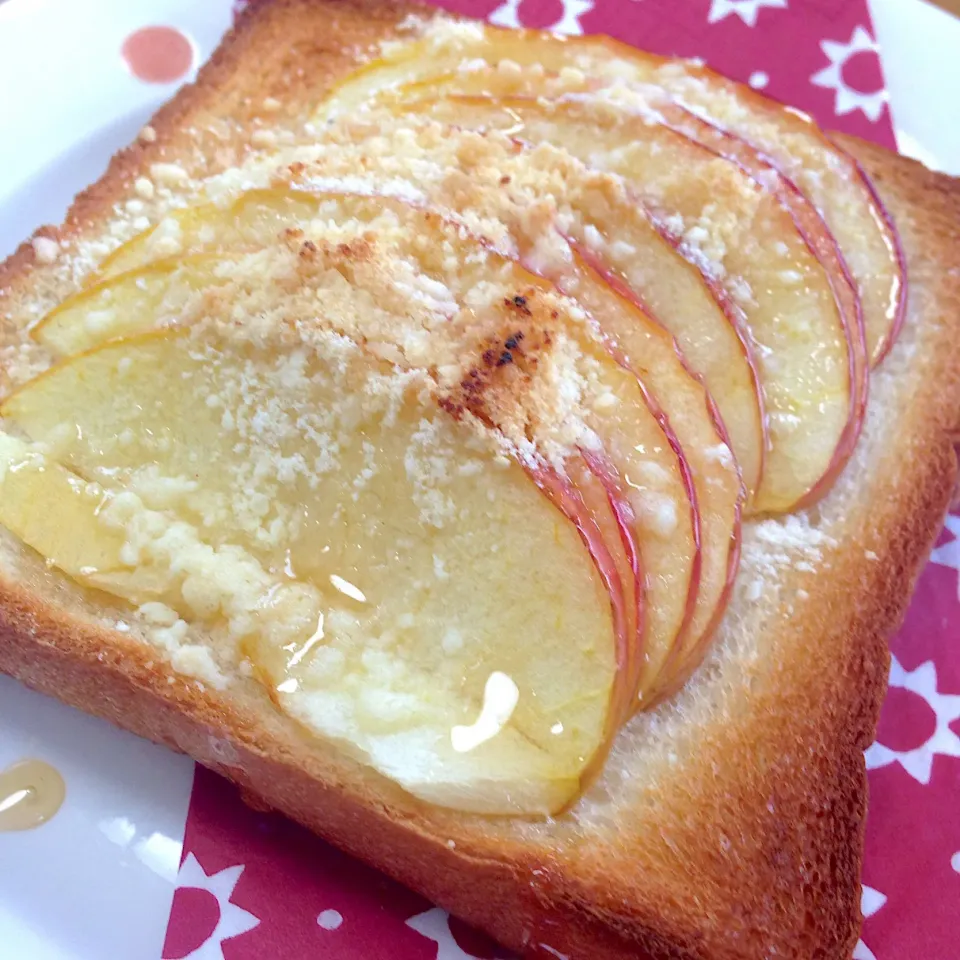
(719, 454)
(659, 514)
(169, 174)
(158, 614)
(606, 401)
(45, 249)
(197, 661)
(263, 138)
(143, 188)
(452, 641)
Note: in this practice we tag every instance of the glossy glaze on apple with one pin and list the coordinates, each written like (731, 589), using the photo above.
(440, 426)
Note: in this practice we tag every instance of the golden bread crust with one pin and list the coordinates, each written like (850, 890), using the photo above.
(743, 836)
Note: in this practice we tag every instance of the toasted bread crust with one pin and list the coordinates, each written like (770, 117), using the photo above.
(750, 842)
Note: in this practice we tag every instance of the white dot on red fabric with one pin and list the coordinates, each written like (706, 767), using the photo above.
(330, 920)
(955, 861)
(759, 79)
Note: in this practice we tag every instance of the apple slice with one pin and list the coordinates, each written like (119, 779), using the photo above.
(605, 519)
(410, 553)
(189, 229)
(738, 232)
(55, 512)
(830, 177)
(165, 291)
(691, 417)
(601, 488)
(644, 469)
(638, 458)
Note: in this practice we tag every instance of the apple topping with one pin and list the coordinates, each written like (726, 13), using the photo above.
(551, 65)
(388, 551)
(809, 357)
(164, 292)
(54, 512)
(623, 419)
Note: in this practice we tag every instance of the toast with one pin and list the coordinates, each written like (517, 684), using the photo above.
(728, 821)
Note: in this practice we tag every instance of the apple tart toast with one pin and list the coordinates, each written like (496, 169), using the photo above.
(477, 444)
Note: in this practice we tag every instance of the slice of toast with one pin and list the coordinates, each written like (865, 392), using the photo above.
(726, 823)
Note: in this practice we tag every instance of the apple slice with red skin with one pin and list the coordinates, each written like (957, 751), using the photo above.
(824, 171)
(694, 423)
(661, 640)
(604, 519)
(640, 461)
(815, 398)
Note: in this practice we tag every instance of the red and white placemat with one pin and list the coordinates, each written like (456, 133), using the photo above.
(254, 886)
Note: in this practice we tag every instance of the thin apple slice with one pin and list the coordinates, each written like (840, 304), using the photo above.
(644, 469)
(638, 458)
(164, 291)
(607, 525)
(56, 513)
(739, 234)
(418, 605)
(189, 229)
(826, 174)
(647, 349)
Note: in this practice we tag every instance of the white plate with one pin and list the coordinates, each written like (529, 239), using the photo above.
(97, 881)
